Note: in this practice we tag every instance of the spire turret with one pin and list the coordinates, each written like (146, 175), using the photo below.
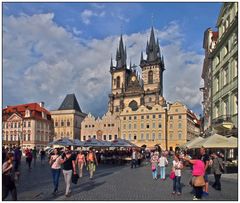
(121, 55)
(153, 50)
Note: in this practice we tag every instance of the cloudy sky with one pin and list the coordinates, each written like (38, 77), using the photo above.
(54, 49)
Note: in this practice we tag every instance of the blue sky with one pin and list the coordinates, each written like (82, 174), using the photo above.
(43, 41)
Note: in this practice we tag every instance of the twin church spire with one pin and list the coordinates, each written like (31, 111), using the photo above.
(152, 51)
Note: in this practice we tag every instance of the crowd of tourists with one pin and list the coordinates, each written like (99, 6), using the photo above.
(72, 162)
(201, 164)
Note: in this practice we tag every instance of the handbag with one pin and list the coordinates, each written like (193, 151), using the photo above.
(75, 178)
(221, 166)
(153, 167)
(172, 175)
(198, 181)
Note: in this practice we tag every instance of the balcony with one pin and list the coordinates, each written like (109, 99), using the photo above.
(222, 123)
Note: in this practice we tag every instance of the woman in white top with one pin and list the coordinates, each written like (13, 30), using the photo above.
(55, 163)
(162, 162)
(177, 167)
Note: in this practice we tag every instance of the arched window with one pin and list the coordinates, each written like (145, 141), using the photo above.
(118, 82)
(150, 77)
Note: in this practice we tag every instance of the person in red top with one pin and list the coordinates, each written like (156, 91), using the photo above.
(198, 170)
(29, 158)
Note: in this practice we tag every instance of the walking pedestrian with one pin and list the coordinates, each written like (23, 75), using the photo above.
(42, 156)
(177, 168)
(134, 158)
(198, 176)
(139, 158)
(80, 161)
(92, 162)
(205, 158)
(29, 158)
(55, 163)
(8, 183)
(34, 152)
(154, 163)
(69, 167)
(4, 154)
(163, 162)
(218, 169)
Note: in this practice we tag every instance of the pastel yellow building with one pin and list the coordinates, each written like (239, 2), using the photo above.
(67, 119)
(168, 126)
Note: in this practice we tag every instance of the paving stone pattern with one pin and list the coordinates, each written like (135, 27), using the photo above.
(116, 183)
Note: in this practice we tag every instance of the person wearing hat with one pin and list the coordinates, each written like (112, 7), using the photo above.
(69, 167)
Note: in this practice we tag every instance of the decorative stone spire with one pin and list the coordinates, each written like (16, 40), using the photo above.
(153, 50)
(121, 55)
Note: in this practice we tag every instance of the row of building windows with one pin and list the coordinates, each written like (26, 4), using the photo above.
(152, 117)
(16, 124)
(149, 137)
(226, 106)
(105, 125)
(225, 75)
(148, 126)
(105, 137)
(62, 123)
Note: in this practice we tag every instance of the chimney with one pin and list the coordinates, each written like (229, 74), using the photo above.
(41, 104)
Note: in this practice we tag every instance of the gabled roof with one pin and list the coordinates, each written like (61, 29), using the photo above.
(70, 103)
(35, 108)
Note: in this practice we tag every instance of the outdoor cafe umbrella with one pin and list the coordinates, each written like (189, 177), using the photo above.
(233, 142)
(95, 143)
(78, 143)
(213, 141)
(190, 143)
(122, 143)
(63, 142)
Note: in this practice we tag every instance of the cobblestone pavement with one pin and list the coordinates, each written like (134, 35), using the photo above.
(116, 183)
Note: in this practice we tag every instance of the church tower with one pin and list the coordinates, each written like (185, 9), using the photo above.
(118, 82)
(152, 72)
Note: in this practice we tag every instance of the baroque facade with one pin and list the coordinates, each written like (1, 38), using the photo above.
(224, 72)
(27, 125)
(67, 119)
(137, 110)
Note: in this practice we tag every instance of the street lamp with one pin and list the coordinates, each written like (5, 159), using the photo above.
(165, 107)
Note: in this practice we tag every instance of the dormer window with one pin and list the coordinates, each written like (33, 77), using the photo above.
(44, 115)
(27, 113)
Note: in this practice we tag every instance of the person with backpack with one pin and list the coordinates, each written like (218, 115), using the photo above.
(8, 183)
(29, 158)
(91, 162)
(55, 163)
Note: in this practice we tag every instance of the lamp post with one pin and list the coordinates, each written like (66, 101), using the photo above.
(165, 107)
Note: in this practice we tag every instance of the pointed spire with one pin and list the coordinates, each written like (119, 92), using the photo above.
(121, 55)
(111, 64)
(152, 39)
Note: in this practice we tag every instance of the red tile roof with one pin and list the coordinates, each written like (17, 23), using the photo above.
(35, 111)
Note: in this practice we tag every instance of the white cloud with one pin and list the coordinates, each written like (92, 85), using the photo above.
(46, 67)
(87, 14)
(76, 31)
